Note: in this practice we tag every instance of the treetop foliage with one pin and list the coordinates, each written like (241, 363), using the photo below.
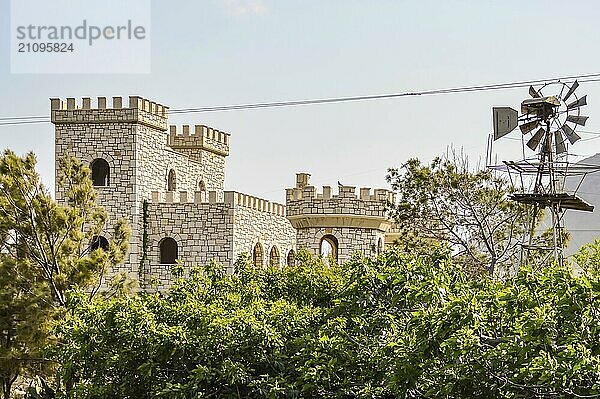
(396, 326)
(446, 201)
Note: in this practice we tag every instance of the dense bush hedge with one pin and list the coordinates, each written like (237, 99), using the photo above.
(398, 326)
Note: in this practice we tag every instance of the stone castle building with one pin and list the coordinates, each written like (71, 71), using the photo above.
(168, 181)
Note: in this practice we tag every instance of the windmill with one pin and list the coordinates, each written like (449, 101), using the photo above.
(548, 122)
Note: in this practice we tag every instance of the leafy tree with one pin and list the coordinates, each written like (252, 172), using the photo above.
(210, 335)
(45, 252)
(397, 326)
(445, 201)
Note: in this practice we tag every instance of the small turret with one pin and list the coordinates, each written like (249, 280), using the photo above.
(344, 221)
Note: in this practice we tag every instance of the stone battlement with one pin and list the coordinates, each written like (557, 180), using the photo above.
(232, 198)
(138, 110)
(310, 193)
(307, 208)
(202, 138)
(304, 191)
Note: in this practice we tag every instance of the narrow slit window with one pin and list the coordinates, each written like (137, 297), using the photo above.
(171, 181)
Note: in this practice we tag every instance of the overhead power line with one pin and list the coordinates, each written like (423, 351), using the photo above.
(595, 77)
(24, 122)
(581, 78)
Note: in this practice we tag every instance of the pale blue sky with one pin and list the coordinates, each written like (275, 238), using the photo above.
(218, 52)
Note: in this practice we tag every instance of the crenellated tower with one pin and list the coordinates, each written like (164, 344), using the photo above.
(338, 224)
(205, 145)
(132, 152)
(111, 139)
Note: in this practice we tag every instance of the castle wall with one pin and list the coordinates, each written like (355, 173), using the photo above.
(114, 143)
(350, 240)
(358, 223)
(156, 159)
(134, 141)
(213, 171)
(203, 232)
(207, 222)
(270, 229)
(205, 146)
(208, 229)
(306, 201)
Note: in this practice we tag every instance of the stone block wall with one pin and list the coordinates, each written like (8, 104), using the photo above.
(202, 138)
(205, 145)
(207, 222)
(156, 159)
(139, 111)
(203, 232)
(112, 142)
(306, 200)
(350, 240)
(207, 228)
(269, 228)
(134, 142)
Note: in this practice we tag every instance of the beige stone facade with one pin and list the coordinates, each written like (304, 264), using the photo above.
(168, 182)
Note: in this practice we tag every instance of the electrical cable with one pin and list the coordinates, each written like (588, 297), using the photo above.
(595, 77)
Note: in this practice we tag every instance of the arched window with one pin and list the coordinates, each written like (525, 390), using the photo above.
(168, 251)
(201, 186)
(274, 256)
(329, 247)
(379, 246)
(100, 172)
(171, 181)
(257, 255)
(291, 258)
(99, 242)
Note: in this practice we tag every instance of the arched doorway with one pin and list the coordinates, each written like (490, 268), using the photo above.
(329, 247)
(274, 256)
(258, 255)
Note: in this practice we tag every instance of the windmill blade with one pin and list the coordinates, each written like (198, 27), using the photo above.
(578, 103)
(535, 140)
(580, 120)
(560, 142)
(529, 126)
(570, 133)
(533, 92)
(571, 90)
